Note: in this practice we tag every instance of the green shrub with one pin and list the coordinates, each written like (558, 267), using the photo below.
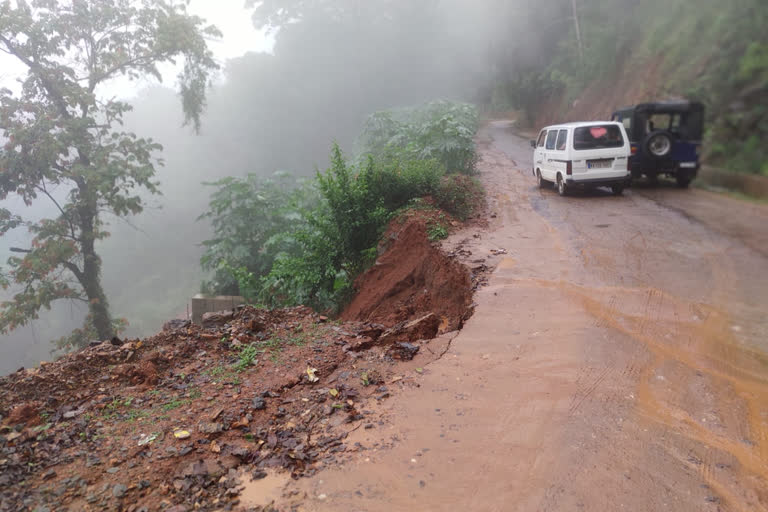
(246, 214)
(436, 231)
(441, 130)
(247, 357)
(459, 195)
(396, 182)
(280, 242)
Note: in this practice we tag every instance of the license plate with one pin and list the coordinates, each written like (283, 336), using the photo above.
(599, 164)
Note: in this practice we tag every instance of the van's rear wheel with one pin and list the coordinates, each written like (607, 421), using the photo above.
(542, 183)
(562, 189)
(617, 189)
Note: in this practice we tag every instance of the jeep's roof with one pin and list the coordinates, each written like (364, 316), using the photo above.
(669, 105)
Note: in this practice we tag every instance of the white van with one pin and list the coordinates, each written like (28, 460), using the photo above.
(586, 154)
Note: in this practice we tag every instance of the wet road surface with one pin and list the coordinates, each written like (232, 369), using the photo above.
(616, 361)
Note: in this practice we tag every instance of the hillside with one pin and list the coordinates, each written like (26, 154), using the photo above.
(632, 52)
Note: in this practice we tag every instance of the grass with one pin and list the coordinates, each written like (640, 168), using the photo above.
(137, 414)
(175, 404)
(247, 357)
(217, 371)
(436, 231)
(114, 408)
(299, 337)
(734, 194)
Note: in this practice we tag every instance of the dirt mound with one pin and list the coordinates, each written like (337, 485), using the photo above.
(412, 278)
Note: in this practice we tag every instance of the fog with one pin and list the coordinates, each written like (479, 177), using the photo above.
(268, 111)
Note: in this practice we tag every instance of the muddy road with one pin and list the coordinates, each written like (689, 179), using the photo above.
(616, 361)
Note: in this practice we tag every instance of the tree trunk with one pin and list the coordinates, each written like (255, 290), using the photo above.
(97, 300)
(91, 275)
(578, 29)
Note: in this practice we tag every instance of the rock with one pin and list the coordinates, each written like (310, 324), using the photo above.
(218, 318)
(199, 468)
(256, 325)
(119, 490)
(259, 403)
(176, 323)
(210, 428)
(404, 351)
(182, 485)
(23, 413)
(12, 436)
(73, 414)
(177, 508)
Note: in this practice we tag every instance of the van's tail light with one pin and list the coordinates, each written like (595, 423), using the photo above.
(629, 164)
(569, 167)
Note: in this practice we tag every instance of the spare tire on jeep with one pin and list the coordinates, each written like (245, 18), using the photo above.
(658, 144)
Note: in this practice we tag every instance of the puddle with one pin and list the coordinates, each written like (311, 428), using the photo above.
(264, 491)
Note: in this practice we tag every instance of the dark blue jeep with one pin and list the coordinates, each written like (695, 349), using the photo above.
(665, 138)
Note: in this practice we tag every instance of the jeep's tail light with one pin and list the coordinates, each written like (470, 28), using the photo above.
(634, 150)
(569, 167)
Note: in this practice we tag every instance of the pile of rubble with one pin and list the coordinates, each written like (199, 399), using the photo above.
(175, 421)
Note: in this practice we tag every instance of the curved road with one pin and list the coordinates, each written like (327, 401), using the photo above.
(616, 361)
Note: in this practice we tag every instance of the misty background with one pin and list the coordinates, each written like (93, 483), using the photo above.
(278, 106)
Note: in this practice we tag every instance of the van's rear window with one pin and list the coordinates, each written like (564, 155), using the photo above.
(597, 136)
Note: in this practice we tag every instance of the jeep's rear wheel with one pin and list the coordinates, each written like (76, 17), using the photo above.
(562, 188)
(653, 178)
(683, 181)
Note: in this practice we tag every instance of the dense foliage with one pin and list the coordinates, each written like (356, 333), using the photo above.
(246, 214)
(440, 130)
(313, 240)
(65, 145)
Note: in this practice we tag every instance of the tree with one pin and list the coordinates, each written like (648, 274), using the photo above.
(64, 144)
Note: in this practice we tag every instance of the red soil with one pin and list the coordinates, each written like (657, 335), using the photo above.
(412, 278)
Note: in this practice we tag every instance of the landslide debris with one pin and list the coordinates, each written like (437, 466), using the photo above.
(411, 279)
(177, 421)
